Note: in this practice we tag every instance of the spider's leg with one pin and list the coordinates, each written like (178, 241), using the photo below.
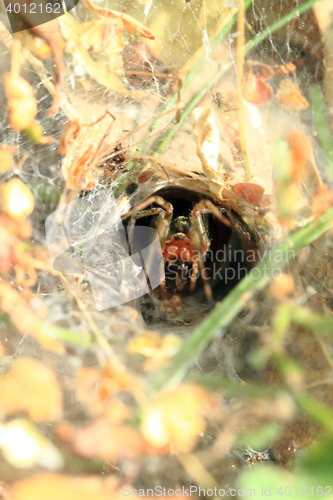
(206, 285)
(194, 275)
(199, 228)
(146, 213)
(164, 212)
(237, 225)
(207, 206)
(163, 224)
(199, 236)
(199, 264)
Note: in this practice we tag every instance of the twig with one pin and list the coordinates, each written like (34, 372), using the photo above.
(137, 389)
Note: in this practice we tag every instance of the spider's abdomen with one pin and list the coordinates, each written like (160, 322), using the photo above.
(179, 248)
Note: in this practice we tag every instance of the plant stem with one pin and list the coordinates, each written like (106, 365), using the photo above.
(227, 65)
(322, 125)
(191, 74)
(240, 64)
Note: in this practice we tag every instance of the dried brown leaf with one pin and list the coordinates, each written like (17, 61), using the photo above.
(103, 440)
(256, 91)
(129, 24)
(300, 154)
(322, 201)
(24, 318)
(175, 418)
(6, 157)
(290, 96)
(249, 192)
(54, 40)
(254, 88)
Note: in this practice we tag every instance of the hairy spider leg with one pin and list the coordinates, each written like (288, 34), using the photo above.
(139, 215)
(200, 242)
(199, 233)
(146, 213)
(237, 225)
(165, 219)
(207, 206)
(164, 212)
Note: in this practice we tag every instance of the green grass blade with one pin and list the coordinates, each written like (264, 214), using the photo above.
(226, 66)
(318, 323)
(191, 74)
(322, 125)
(66, 335)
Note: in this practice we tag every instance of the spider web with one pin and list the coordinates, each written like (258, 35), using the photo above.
(146, 116)
(184, 33)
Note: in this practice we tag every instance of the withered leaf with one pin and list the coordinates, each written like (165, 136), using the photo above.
(290, 96)
(258, 69)
(21, 102)
(33, 388)
(175, 418)
(254, 88)
(6, 157)
(255, 91)
(57, 486)
(53, 39)
(322, 201)
(128, 22)
(103, 440)
(72, 30)
(249, 192)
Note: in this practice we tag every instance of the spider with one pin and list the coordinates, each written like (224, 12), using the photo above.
(184, 240)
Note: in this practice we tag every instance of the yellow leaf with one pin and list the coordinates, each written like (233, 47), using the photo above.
(6, 157)
(71, 31)
(23, 447)
(101, 439)
(31, 387)
(175, 418)
(159, 349)
(290, 96)
(21, 102)
(56, 486)
(18, 200)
